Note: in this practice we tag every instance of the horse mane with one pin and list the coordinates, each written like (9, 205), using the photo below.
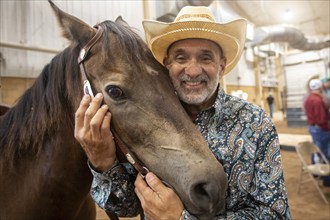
(131, 44)
(42, 109)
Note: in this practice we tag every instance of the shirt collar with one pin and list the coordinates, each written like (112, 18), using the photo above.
(207, 115)
(224, 106)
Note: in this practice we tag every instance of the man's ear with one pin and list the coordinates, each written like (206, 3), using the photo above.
(223, 62)
(165, 61)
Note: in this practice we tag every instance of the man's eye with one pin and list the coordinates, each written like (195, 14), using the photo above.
(115, 92)
(180, 59)
(207, 58)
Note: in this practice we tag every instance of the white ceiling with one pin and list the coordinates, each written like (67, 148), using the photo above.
(310, 16)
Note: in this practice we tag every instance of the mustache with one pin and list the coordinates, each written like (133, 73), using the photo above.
(199, 78)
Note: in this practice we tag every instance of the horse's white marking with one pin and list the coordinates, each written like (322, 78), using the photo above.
(152, 71)
(169, 148)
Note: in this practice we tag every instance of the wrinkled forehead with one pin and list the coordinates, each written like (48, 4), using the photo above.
(192, 42)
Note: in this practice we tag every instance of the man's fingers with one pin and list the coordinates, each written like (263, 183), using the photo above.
(139, 195)
(154, 183)
(151, 184)
(141, 187)
(98, 122)
(80, 113)
(105, 126)
(92, 109)
(140, 183)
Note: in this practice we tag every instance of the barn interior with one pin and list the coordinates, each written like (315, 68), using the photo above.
(288, 44)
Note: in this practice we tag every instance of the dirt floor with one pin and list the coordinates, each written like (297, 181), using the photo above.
(308, 203)
(305, 205)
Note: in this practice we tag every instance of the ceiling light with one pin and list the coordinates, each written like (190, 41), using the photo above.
(288, 14)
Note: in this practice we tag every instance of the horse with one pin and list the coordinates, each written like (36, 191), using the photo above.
(4, 108)
(44, 171)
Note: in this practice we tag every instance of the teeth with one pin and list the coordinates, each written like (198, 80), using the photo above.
(193, 83)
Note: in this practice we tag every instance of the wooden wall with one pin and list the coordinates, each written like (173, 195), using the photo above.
(12, 88)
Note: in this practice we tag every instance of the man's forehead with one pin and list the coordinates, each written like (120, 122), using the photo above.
(204, 45)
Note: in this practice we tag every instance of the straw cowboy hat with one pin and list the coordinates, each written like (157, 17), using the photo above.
(197, 22)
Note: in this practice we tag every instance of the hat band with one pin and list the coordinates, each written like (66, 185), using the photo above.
(192, 29)
(208, 17)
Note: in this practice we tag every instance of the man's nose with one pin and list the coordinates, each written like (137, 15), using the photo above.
(193, 68)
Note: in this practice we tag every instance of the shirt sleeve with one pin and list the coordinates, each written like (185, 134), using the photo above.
(113, 190)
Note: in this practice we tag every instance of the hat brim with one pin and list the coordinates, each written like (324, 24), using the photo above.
(230, 37)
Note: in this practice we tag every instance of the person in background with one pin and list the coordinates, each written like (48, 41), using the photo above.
(326, 89)
(318, 116)
(198, 52)
(270, 102)
(318, 120)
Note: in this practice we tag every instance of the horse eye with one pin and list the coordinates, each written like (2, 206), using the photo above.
(115, 92)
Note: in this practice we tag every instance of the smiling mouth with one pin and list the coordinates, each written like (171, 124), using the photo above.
(193, 85)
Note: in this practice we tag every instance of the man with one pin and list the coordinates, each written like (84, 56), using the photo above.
(318, 117)
(270, 101)
(326, 89)
(197, 52)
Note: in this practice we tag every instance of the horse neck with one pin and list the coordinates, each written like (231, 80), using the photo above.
(44, 109)
(50, 101)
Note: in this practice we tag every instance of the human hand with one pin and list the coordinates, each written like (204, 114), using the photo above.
(157, 200)
(92, 130)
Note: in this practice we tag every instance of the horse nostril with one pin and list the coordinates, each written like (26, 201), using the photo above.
(208, 196)
(201, 190)
(203, 193)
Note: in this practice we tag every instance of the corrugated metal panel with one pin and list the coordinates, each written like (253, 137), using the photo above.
(32, 24)
(297, 78)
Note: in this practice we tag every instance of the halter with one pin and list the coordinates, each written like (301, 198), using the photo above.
(121, 146)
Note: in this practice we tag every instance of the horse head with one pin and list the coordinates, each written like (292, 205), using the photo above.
(146, 113)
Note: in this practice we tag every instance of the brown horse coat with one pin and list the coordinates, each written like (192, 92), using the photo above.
(44, 173)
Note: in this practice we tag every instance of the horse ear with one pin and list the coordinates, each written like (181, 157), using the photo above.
(121, 21)
(73, 28)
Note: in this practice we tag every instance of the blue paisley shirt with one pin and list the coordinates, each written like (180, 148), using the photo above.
(244, 140)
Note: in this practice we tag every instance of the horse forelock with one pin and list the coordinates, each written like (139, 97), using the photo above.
(130, 43)
(42, 109)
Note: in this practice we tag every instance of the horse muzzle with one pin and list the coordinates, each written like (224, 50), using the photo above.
(207, 195)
